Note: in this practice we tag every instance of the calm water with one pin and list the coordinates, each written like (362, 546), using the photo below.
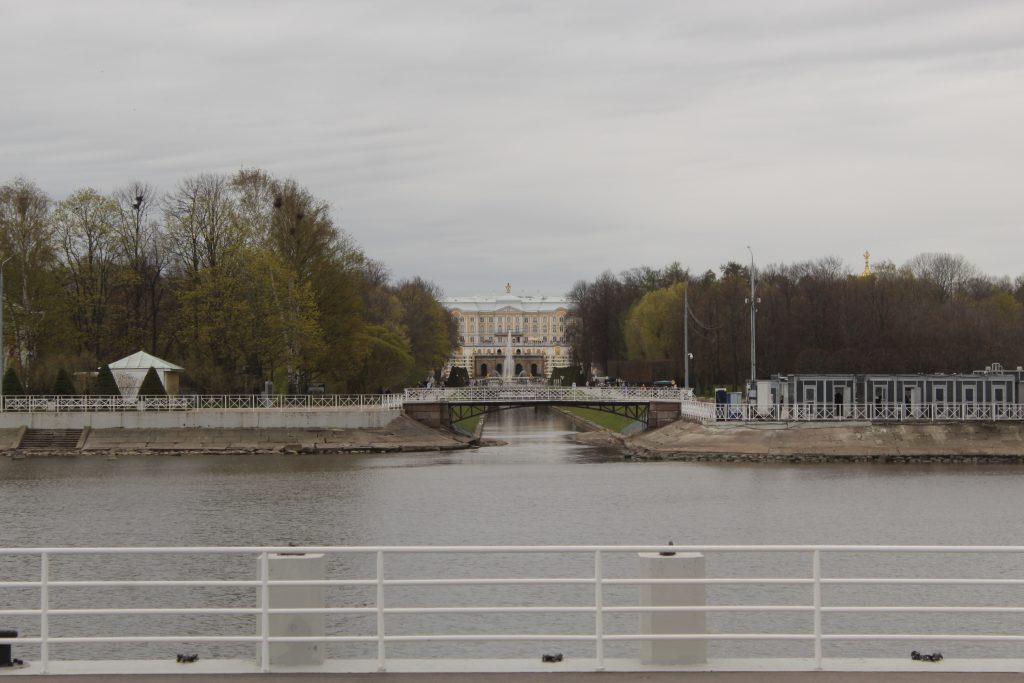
(541, 488)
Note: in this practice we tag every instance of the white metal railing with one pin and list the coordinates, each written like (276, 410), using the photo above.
(545, 393)
(12, 404)
(873, 412)
(884, 579)
(697, 411)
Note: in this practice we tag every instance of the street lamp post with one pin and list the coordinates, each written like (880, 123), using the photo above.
(3, 354)
(686, 337)
(753, 301)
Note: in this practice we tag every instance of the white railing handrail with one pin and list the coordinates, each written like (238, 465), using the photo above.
(814, 576)
(852, 412)
(546, 393)
(199, 402)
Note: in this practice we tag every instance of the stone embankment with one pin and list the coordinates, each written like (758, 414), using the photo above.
(401, 435)
(971, 442)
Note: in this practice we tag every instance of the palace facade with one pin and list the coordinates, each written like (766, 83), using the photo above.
(530, 330)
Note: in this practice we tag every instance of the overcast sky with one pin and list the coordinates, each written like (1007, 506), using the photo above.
(478, 142)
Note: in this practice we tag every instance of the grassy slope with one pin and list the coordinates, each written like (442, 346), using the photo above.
(469, 424)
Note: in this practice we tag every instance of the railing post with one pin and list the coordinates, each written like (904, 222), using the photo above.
(44, 611)
(599, 608)
(816, 574)
(265, 612)
(380, 612)
(673, 565)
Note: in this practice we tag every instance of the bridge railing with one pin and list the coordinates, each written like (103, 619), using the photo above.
(873, 412)
(545, 393)
(199, 402)
(830, 603)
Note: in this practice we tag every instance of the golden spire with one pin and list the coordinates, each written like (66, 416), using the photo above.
(867, 264)
(508, 287)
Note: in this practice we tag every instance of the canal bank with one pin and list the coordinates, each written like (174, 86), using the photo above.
(960, 442)
(398, 434)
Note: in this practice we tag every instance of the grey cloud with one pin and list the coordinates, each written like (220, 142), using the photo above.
(463, 140)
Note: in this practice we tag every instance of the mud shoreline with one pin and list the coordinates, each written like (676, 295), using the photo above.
(933, 443)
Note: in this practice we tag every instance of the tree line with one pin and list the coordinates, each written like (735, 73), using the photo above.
(935, 313)
(240, 279)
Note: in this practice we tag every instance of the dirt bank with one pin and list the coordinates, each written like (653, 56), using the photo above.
(400, 435)
(861, 442)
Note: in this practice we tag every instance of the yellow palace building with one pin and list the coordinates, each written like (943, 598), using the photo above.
(510, 336)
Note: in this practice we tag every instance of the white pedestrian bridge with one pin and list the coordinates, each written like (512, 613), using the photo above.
(650, 406)
(511, 608)
(546, 393)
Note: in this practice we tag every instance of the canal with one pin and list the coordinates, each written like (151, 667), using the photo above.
(541, 488)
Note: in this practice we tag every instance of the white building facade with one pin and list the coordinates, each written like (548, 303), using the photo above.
(510, 335)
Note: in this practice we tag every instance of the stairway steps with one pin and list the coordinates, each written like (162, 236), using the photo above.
(50, 438)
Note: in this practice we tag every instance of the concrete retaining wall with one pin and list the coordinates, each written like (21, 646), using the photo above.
(204, 419)
(401, 435)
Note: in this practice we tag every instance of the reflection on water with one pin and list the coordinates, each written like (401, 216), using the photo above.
(542, 488)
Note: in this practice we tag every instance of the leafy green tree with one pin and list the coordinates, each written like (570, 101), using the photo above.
(654, 325)
(256, 318)
(84, 231)
(35, 323)
(64, 386)
(12, 384)
(431, 330)
(151, 384)
(388, 361)
(343, 321)
(105, 384)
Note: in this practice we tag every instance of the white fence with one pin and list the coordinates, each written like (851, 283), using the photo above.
(542, 393)
(199, 402)
(858, 412)
(830, 597)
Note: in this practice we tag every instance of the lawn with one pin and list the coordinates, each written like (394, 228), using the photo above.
(615, 423)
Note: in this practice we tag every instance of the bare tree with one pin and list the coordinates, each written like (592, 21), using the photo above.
(200, 222)
(949, 272)
(143, 257)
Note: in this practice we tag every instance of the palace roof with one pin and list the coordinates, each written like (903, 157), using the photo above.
(492, 304)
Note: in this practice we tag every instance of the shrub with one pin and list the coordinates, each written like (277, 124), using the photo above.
(151, 384)
(12, 384)
(568, 376)
(458, 377)
(64, 386)
(106, 385)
